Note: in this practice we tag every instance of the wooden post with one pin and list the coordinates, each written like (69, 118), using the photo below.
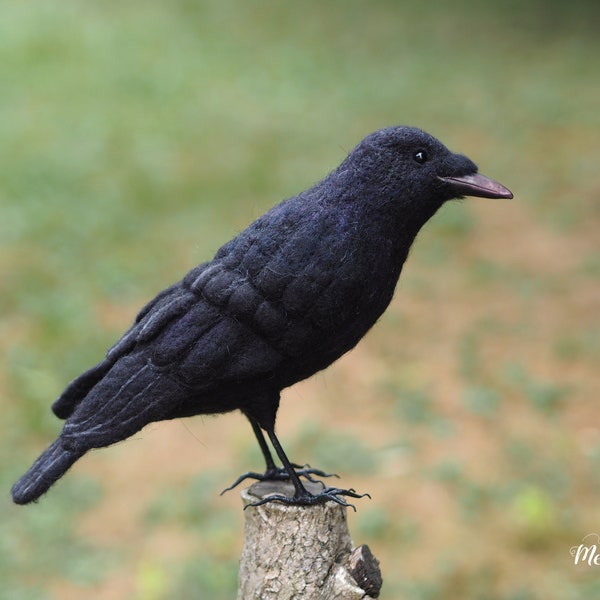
(302, 552)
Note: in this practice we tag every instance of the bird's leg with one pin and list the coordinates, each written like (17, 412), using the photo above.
(302, 497)
(277, 473)
(271, 468)
(272, 472)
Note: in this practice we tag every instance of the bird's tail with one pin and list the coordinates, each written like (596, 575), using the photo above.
(46, 470)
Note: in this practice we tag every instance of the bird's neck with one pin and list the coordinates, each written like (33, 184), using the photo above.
(382, 215)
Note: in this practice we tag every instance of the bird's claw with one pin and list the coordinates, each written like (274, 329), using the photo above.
(329, 494)
(243, 477)
(306, 471)
(280, 474)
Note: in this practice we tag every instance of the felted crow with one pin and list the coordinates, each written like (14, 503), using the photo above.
(282, 300)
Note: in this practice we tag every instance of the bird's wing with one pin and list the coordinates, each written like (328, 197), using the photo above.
(127, 398)
(164, 307)
(233, 322)
(228, 335)
(183, 351)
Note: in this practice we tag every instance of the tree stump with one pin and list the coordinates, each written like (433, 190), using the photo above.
(295, 552)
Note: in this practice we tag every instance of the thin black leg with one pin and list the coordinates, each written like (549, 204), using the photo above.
(263, 446)
(272, 472)
(301, 491)
(302, 497)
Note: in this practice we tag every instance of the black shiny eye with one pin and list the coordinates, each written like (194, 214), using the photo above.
(420, 156)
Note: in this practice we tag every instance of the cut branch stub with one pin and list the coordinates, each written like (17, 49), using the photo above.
(301, 551)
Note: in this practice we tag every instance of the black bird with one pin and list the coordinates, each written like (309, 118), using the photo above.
(282, 300)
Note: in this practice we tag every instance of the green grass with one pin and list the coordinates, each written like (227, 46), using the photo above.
(137, 137)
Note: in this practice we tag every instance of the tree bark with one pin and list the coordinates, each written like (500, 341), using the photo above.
(295, 552)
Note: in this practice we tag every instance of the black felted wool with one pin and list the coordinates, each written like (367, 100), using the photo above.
(283, 299)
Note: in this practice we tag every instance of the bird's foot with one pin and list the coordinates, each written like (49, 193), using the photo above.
(280, 474)
(305, 498)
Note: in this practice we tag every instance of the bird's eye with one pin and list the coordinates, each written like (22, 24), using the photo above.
(420, 156)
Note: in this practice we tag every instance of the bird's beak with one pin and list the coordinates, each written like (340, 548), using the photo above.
(477, 185)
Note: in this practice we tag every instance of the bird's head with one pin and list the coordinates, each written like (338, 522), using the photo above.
(418, 170)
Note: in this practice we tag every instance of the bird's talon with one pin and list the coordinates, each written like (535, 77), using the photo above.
(308, 499)
(280, 474)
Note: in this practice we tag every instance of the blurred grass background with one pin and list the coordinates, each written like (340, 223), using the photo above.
(137, 137)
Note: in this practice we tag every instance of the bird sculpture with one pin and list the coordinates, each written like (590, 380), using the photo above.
(282, 300)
